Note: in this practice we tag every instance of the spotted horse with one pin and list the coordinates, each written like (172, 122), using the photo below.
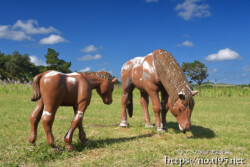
(158, 72)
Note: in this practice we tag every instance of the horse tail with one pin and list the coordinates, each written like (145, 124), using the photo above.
(129, 105)
(36, 87)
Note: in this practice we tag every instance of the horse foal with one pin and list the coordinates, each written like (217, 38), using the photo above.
(53, 89)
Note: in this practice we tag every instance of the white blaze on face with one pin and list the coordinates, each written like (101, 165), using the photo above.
(180, 127)
(71, 80)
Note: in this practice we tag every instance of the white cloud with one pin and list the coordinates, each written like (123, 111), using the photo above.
(52, 39)
(247, 68)
(190, 9)
(90, 57)
(25, 30)
(222, 55)
(36, 61)
(85, 69)
(186, 43)
(31, 27)
(148, 1)
(90, 48)
(8, 33)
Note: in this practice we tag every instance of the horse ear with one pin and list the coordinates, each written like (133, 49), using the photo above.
(114, 80)
(194, 92)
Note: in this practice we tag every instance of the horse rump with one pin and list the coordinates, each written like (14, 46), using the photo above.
(36, 87)
(129, 104)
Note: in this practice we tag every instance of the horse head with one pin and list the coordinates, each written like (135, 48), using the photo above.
(105, 90)
(183, 112)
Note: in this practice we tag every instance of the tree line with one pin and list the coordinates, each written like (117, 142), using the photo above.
(18, 67)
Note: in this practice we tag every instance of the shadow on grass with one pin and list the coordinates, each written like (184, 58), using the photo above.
(197, 131)
(103, 142)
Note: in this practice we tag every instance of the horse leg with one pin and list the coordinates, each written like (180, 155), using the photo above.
(34, 121)
(47, 120)
(144, 104)
(157, 108)
(164, 110)
(77, 122)
(82, 134)
(126, 100)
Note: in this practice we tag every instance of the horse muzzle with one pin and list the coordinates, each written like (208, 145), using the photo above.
(186, 128)
(108, 102)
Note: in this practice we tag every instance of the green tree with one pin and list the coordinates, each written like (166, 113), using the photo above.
(52, 59)
(17, 67)
(197, 72)
(54, 63)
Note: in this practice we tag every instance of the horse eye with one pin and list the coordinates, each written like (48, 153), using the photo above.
(179, 110)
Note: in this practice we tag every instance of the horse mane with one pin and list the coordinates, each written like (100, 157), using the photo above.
(172, 77)
(101, 74)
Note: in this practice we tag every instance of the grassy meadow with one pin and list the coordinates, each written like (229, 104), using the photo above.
(220, 122)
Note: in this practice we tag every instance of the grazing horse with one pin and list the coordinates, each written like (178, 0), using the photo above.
(154, 73)
(53, 89)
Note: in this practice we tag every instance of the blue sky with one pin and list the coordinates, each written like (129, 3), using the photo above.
(104, 34)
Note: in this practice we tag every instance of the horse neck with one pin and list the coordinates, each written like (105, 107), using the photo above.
(95, 82)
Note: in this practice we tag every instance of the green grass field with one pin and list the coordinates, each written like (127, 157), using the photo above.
(220, 122)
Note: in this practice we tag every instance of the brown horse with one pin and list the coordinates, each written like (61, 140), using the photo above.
(53, 89)
(154, 73)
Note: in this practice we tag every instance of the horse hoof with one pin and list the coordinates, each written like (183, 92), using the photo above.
(124, 124)
(161, 130)
(32, 139)
(70, 148)
(85, 141)
(149, 126)
(165, 128)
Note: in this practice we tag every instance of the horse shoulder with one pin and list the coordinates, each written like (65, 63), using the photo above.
(84, 88)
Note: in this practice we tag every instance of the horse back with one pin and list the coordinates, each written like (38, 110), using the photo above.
(140, 71)
(62, 89)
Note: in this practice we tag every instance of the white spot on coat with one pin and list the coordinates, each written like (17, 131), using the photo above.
(52, 73)
(74, 73)
(137, 61)
(71, 79)
(79, 114)
(46, 113)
